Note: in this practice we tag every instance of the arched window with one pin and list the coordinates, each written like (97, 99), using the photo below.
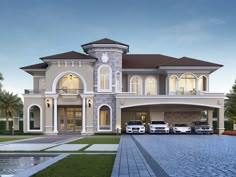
(34, 118)
(118, 82)
(136, 85)
(202, 84)
(150, 86)
(105, 118)
(173, 84)
(188, 84)
(104, 79)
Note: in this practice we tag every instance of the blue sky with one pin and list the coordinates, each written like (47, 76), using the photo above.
(202, 29)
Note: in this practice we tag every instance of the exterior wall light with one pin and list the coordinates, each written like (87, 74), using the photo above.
(48, 103)
(89, 103)
(70, 76)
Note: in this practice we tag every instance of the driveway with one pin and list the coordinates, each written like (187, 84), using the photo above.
(190, 155)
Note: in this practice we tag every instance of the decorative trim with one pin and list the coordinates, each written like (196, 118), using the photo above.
(141, 84)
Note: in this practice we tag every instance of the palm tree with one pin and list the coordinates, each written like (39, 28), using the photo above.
(10, 104)
(1, 79)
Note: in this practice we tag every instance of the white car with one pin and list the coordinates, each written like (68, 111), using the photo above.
(158, 126)
(181, 128)
(135, 126)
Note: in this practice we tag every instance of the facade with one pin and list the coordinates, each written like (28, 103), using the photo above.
(101, 90)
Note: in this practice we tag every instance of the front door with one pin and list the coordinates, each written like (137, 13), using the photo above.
(70, 119)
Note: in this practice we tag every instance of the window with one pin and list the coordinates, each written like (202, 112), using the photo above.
(104, 118)
(118, 82)
(202, 83)
(173, 83)
(104, 78)
(69, 84)
(188, 84)
(136, 85)
(34, 118)
(150, 86)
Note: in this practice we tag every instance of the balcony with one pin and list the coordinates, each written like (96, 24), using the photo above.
(70, 91)
(34, 91)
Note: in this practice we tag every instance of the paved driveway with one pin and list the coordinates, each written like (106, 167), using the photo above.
(192, 155)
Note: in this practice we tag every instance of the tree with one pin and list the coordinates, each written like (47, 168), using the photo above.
(230, 103)
(10, 104)
(1, 79)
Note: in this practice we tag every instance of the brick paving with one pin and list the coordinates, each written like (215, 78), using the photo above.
(129, 160)
(192, 155)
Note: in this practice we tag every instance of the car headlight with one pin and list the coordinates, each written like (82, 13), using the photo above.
(151, 127)
(128, 127)
(142, 128)
(176, 128)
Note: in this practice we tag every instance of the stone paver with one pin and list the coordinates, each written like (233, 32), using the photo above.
(47, 139)
(192, 155)
(25, 147)
(68, 147)
(103, 147)
(129, 161)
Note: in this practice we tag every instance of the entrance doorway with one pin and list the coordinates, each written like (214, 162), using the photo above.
(70, 119)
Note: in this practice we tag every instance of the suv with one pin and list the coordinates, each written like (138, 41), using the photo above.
(199, 127)
(158, 126)
(134, 126)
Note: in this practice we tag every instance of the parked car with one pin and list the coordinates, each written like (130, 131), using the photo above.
(199, 127)
(135, 126)
(180, 128)
(157, 126)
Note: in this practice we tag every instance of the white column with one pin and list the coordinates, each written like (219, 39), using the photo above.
(83, 116)
(55, 115)
(197, 83)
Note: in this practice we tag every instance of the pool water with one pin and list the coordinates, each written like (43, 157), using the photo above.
(12, 164)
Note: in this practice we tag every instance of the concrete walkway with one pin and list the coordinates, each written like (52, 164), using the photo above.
(129, 160)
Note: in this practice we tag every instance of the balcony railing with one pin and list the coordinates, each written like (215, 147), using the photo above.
(34, 91)
(70, 91)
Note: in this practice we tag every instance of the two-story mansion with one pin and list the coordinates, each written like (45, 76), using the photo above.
(101, 90)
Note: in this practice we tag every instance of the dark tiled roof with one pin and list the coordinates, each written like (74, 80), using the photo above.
(36, 66)
(185, 61)
(147, 61)
(69, 55)
(105, 41)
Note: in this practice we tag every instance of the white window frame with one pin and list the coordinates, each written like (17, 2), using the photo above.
(176, 85)
(120, 82)
(152, 77)
(98, 116)
(207, 84)
(110, 79)
(28, 118)
(141, 84)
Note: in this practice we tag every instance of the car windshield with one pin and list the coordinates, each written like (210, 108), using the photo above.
(135, 123)
(201, 123)
(158, 122)
(181, 125)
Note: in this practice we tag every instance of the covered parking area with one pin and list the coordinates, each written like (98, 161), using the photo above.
(170, 109)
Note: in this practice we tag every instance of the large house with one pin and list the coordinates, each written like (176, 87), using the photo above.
(100, 90)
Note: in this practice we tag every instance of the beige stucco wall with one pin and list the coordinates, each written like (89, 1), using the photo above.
(31, 101)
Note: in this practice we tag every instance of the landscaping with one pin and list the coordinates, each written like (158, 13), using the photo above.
(80, 166)
(12, 138)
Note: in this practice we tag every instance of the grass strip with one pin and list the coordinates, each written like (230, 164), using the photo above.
(80, 166)
(98, 140)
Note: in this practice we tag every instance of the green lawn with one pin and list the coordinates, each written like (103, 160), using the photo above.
(3, 139)
(98, 140)
(80, 166)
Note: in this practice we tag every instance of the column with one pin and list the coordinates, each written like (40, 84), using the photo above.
(197, 89)
(221, 121)
(210, 117)
(177, 86)
(55, 114)
(83, 115)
